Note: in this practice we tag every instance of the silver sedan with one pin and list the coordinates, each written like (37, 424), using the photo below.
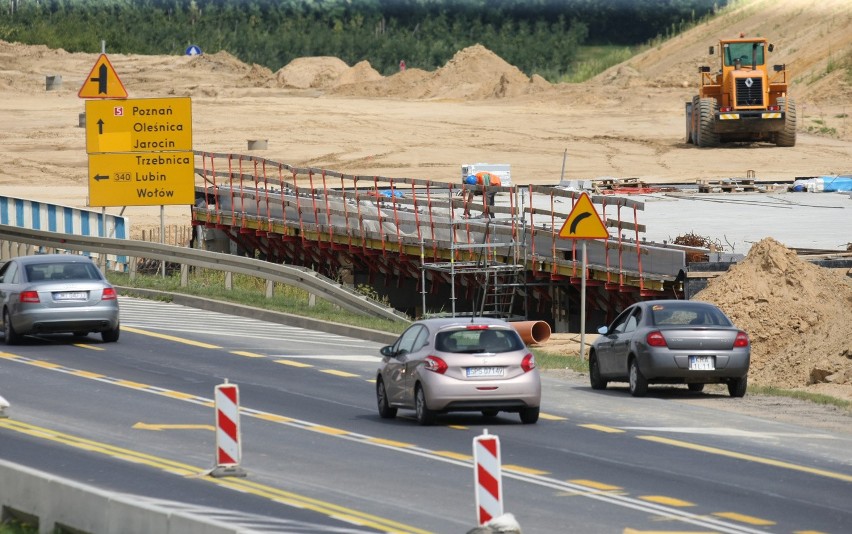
(671, 342)
(56, 293)
(457, 365)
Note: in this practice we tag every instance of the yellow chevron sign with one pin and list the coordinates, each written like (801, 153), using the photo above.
(583, 222)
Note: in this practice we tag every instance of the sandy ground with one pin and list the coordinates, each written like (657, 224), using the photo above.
(628, 122)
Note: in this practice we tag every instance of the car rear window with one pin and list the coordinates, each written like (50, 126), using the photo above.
(474, 341)
(61, 271)
(684, 314)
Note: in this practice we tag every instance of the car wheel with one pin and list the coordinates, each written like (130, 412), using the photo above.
(529, 415)
(737, 387)
(490, 413)
(638, 384)
(9, 334)
(111, 336)
(695, 388)
(385, 411)
(425, 416)
(595, 373)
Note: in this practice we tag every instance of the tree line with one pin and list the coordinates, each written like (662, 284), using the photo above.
(538, 36)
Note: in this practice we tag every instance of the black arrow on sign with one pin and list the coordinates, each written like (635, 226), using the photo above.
(576, 221)
(99, 177)
(100, 126)
(101, 79)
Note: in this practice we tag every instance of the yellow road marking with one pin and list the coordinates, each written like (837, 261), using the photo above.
(178, 395)
(744, 518)
(457, 427)
(669, 501)
(634, 531)
(274, 418)
(47, 365)
(390, 442)
(156, 427)
(748, 457)
(335, 372)
(603, 428)
(88, 374)
(170, 338)
(453, 455)
(552, 417)
(247, 354)
(291, 363)
(131, 384)
(242, 485)
(524, 470)
(328, 430)
(596, 485)
(86, 346)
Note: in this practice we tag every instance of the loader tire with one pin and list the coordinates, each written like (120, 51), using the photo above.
(690, 121)
(707, 136)
(787, 137)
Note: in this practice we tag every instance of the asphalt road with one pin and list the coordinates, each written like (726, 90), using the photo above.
(135, 417)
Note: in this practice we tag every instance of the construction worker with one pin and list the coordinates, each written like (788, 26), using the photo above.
(483, 178)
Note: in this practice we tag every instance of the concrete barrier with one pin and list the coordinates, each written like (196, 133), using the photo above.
(62, 505)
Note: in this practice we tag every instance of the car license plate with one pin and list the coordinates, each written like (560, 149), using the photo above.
(484, 371)
(71, 295)
(702, 363)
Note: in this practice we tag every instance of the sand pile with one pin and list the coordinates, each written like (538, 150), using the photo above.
(474, 73)
(797, 314)
(311, 72)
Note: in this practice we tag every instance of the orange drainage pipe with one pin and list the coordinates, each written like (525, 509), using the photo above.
(532, 332)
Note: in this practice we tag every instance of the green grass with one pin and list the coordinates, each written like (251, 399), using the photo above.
(251, 291)
(801, 395)
(15, 527)
(592, 60)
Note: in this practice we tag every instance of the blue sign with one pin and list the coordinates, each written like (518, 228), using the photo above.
(193, 50)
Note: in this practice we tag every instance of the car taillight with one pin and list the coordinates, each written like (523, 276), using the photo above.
(741, 340)
(725, 109)
(29, 296)
(109, 294)
(656, 339)
(528, 363)
(435, 364)
(774, 108)
(477, 327)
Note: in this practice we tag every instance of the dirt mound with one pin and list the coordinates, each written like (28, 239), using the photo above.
(312, 72)
(474, 73)
(798, 316)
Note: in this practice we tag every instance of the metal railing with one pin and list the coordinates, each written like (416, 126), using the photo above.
(15, 241)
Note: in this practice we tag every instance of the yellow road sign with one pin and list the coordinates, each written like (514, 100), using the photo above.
(102, 82)
(139, 125)
(583, 222)
(141, 179)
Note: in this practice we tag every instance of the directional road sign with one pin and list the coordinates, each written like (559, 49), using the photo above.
(134, 179)
(139, 125)
(583, 222)
(102, 82)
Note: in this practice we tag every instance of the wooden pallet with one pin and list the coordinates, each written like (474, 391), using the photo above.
(726, 186)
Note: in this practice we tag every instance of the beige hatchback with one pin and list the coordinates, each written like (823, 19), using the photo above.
(458, 365)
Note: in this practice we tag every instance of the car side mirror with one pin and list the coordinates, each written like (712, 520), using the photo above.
(603, 330)
(778, 68)
(771, 47)
(387, 351)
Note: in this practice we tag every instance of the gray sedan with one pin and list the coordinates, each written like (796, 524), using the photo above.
(671, 342)
(456, 365)
(55, 293)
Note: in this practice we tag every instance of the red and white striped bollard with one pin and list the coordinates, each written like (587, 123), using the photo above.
(228, 446)
(488, 478)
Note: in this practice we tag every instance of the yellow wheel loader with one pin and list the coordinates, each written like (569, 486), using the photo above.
(743, 100)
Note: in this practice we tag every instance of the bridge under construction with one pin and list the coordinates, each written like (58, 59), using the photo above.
(432, 247)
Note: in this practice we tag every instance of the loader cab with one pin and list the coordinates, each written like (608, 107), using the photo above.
(742, 54)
